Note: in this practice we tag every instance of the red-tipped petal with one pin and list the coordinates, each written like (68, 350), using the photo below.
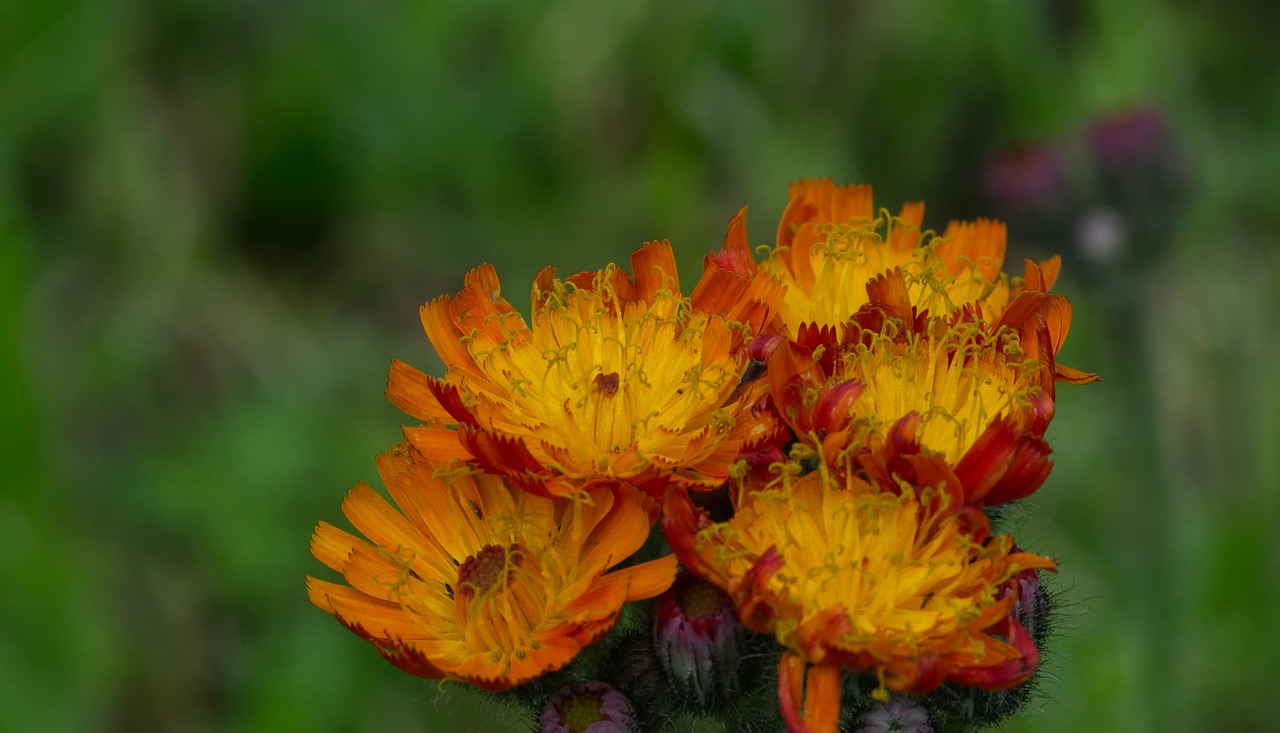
(1010, 673)
(986, 462)
(1027, 471)
(681, 522)
(451, 400)
(889, 291)
(499, 454)
(654, 268)
(755, 602)
(831, 413)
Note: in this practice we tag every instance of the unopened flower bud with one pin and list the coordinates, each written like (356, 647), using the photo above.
(588, 707)
(898, 713)
(1031, 608)
(696, 635)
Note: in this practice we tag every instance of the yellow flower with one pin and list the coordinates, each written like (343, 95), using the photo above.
(907, 585)
(901, 394)
(471, 579)
(832, 243)
(617, 379)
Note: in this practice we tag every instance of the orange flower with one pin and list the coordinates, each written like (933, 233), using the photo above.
(473, 580)
(909, 586)
(832, 242)
(616, 379)
(899, 390)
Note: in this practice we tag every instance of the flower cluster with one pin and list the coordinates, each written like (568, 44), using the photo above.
(823, 427)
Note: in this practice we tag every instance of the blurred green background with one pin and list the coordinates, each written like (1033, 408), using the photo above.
(217, 220)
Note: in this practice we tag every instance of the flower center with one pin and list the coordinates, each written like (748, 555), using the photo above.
(607, 384)
(958, 381)
(489, 567)
(581, 710)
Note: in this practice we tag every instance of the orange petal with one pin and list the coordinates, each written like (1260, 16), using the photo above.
(791, 691)
(498, 453)
(648, 579)
(442, 332)
(979, 245)
(904, 234)
(438, 445)
(654, 268)
(822, 698)
(681, 521)
(332, 546)
(617, 535)
(889, 290)
(737, 247)
(379, 620)
(820, 689)
(379, 521)
(410, 390)
(1067, 374)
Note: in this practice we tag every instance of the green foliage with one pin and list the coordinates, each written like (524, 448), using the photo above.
(217, 221)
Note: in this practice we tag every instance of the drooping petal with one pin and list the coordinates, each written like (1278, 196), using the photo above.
(819, 688)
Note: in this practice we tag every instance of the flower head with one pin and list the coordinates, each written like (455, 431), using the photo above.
(831, 242)
(619, 378)
(833, 249)
(899, 391)
(474, 580)
(907, 586)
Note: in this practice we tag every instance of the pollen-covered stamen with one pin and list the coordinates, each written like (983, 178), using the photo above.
(607, 384)
(490, 567)
(497, 599)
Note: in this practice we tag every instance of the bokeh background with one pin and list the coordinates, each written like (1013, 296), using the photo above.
(217, 220)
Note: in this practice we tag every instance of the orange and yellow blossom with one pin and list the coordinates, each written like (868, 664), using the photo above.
(616, 379)
(901, 394)
(471, 579)
(909, 586)
(831, 241)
